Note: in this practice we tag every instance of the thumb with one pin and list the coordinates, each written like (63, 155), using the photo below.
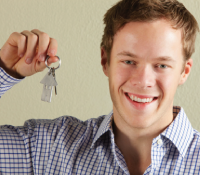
(40, 66)
(53, 59)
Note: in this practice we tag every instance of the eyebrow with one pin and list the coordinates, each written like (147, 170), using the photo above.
(132, 55)
(125, 53)
(165, 58)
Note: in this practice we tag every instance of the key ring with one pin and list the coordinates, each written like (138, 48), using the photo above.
(50, 67)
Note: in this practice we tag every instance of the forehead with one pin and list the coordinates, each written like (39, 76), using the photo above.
(149, 39)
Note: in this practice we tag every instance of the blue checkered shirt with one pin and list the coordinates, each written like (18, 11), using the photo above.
(67, 145)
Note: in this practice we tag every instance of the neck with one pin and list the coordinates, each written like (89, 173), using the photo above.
(135, 149)
(135, 143)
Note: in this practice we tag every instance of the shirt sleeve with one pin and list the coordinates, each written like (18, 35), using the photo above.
(6, 81)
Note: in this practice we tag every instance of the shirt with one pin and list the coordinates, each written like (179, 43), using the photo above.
(67, 145)
(6, 81)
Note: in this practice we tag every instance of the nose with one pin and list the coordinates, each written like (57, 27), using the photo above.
(143, 77)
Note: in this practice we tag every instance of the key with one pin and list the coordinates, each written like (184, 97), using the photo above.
(49, 81)
(54, 75)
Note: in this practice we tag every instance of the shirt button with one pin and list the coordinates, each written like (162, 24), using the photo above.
(159, 142)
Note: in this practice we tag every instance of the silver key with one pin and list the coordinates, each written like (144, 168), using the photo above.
(49, 81)
(54, 75)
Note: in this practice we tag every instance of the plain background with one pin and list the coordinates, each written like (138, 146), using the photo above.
(82, 87)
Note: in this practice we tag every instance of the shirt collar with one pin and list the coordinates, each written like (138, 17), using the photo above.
(105, 126)
(180, 131)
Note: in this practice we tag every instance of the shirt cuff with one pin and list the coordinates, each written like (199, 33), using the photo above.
(6, 81)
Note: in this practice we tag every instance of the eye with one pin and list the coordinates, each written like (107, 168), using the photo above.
(128, 62)
(162, 66)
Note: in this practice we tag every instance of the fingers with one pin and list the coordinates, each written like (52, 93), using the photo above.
(35, 45)
(46, 45)
(52, 47)
(18, 40)
(31, 41)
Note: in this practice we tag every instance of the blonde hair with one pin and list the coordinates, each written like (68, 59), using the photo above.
(126, 11)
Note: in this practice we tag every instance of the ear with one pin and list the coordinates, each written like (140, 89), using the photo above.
(104, 61)
(186, 71)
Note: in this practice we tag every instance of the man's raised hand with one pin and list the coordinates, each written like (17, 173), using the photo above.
(24, 53)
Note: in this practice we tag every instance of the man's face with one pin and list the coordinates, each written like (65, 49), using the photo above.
(146, 67)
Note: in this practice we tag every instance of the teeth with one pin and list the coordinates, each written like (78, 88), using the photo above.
(135, 99)
(144, 100)
(131, 97)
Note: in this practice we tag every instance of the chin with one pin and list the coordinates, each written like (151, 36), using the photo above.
(140, 123)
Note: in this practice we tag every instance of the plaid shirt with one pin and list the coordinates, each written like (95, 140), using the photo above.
(67, 145)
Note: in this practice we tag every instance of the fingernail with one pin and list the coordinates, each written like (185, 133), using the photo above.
(51, 52)
(28, 60)
(21, 55)
(42, 57)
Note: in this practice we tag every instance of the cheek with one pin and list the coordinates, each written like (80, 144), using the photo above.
(120, 75)
(168, 84)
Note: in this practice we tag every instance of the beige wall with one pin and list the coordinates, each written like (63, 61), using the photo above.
(83, 89)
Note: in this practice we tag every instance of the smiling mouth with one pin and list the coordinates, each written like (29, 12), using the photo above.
(140, 100)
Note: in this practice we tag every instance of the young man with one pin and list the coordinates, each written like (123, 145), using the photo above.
(146, 54)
